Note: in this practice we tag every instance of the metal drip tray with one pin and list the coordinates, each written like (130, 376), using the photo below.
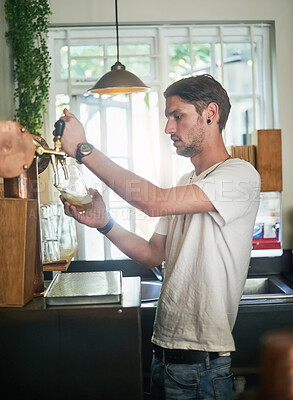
(102, 287)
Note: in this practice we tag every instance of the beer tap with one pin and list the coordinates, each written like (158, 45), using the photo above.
(18, 149)
(57, 155)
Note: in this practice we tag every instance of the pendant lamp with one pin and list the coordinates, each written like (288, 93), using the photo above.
(118, 80)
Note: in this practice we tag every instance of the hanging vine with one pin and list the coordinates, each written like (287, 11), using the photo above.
(28, 22)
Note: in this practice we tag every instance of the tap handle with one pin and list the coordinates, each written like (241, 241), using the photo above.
(59, 128)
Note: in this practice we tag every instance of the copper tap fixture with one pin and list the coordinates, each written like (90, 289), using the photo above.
(23, 157)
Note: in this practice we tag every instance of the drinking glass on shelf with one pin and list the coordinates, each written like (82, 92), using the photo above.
(58, 232)
(67, 237)
(49, 229)
(50, 251)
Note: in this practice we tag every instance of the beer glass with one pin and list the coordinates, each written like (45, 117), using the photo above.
(72, 187)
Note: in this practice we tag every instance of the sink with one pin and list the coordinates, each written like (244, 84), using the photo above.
(265, 288)
(150, 290)
(268, 288)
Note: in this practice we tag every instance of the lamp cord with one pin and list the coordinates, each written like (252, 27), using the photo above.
(117, 35)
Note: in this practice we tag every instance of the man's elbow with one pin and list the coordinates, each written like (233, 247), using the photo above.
(151, 263)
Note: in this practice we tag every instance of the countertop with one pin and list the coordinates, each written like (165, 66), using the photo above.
(130, 298)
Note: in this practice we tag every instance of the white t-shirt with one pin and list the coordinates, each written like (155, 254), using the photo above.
(207, 260)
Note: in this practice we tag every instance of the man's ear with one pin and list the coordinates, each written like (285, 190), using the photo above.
(212, 113)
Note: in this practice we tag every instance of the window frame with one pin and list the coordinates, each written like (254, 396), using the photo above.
(158, 37)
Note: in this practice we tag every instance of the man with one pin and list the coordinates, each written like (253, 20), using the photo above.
(205, 236)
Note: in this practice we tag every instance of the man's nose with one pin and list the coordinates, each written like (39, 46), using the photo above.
(170, 127)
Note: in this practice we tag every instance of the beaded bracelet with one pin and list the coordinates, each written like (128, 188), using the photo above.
(105, 229)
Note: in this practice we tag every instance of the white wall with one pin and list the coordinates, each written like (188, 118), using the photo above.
(141, 11)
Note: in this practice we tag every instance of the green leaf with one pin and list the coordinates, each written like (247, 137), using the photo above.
(28, 23)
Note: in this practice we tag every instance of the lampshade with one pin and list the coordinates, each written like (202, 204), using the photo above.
(118, 80)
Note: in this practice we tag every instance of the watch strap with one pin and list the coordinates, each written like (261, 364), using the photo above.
(105, 229)
(79, 154)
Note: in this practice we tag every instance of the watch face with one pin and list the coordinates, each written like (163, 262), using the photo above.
(85, 148)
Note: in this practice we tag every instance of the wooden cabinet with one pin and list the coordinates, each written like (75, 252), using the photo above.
(79, 352)
(247, 153)
(17, 251)
(266, 156)
(269, 159)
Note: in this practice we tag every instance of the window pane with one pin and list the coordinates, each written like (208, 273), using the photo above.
(81, 67)
(138, 66)
(238, 67)
(258, 80)
(64, 62)
(86, 68)
(202, 58)
(146, 136)
(62, 100)
(240, 121)
(122, 217)
(93, 243)
(129, 49)
(90, 118)
(87, 50)
(179, 58)
(117, 143)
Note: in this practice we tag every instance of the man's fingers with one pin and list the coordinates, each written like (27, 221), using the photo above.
(69, 209)
(67, 113)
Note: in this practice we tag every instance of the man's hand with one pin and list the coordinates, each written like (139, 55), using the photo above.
(73, 133)
(96, 217)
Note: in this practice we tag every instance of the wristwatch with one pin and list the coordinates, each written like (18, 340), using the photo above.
(83, 149)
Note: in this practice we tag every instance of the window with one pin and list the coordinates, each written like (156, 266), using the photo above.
(129, 128)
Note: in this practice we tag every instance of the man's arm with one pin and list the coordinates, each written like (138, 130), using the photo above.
(148, 253)
(140, 193)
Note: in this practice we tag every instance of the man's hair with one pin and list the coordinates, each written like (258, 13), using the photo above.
(201, 90)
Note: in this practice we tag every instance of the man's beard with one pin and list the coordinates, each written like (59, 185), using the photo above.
(188, 151)
(194, 148)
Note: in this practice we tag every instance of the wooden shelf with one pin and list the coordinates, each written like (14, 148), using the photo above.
(61, 265)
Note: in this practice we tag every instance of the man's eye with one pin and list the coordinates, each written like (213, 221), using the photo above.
(177, 116)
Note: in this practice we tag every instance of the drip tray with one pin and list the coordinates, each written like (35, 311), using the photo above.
(77, 288)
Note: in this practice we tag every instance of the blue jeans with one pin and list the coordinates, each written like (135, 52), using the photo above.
(209, 380)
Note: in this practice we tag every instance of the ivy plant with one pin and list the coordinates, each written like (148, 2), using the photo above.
(28, 22)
